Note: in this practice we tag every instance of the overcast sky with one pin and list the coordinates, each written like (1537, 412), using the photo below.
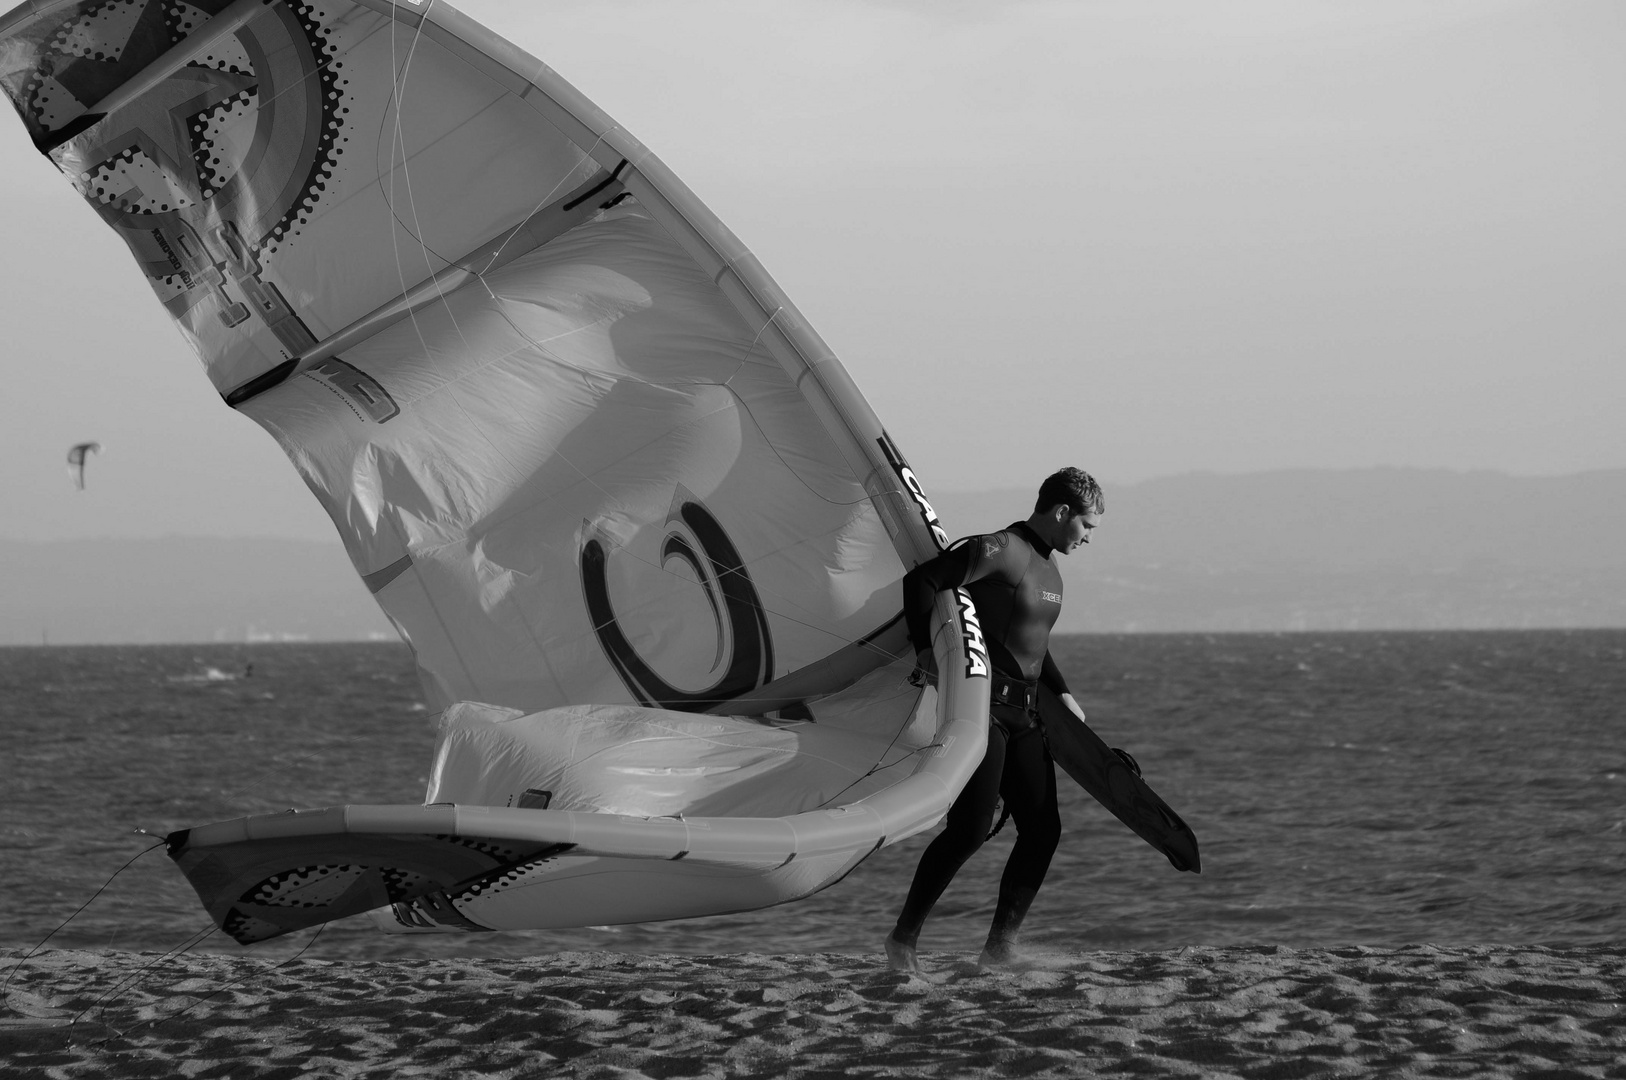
(1143, 238)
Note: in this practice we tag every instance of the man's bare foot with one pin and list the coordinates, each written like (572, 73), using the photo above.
(901, 956)
(999, 955)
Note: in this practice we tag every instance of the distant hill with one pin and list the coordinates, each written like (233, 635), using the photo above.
(182, 589)
(1292, 550)
(1340, 550)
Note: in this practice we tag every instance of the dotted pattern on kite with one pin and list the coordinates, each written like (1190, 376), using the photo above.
(402, 884)
(246, 928)
(90, 35)
(526, 873)
(184, 18)
(329, 72)
(134, 183)
(501, 853)
(226, 54)
(305, 887)
(53, 104)
(214, 130)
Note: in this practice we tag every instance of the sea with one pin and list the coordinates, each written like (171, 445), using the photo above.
(1376, 789)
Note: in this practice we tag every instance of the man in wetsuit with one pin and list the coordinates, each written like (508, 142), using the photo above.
(1016, 587)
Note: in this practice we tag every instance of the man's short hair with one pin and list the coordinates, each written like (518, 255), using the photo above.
(1075, 487)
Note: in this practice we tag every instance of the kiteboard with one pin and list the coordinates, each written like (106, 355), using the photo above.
(1113, 778)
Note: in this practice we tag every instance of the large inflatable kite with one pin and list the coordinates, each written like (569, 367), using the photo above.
(639, 528)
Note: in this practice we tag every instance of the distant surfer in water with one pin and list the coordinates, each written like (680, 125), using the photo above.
(1016, 586)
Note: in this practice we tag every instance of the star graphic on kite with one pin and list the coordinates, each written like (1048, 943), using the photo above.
(163, 126)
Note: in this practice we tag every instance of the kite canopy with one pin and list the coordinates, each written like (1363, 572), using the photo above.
(638, 526)
(78, 454)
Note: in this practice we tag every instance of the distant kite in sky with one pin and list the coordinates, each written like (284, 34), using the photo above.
(76, 461)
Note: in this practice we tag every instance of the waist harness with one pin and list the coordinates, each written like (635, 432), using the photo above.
(1016, 693)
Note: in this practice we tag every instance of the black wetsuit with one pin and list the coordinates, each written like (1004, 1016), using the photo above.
(1017, 590)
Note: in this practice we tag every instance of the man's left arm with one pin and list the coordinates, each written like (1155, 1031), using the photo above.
(1050, 676)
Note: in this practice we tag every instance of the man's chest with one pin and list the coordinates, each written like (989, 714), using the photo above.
(1030, 594)
(1038, 594)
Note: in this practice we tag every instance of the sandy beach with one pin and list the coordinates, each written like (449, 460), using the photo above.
(1248, 1012)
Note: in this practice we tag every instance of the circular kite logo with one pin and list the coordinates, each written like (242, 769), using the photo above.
(695, 537)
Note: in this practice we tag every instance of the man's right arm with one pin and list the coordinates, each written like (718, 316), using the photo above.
(954, 567)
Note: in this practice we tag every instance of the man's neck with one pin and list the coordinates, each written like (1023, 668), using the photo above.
(1034, 536)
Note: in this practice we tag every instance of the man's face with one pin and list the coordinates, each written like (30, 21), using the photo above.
(1076, 531)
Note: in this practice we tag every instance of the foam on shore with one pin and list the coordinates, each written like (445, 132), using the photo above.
(1416, 1011)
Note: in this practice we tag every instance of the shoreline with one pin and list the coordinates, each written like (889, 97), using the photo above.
(1418, 1010)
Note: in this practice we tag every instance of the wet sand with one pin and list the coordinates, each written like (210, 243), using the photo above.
(1418, 1011)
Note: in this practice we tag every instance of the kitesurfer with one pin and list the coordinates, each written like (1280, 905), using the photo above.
(77, 456)
(1016, 587)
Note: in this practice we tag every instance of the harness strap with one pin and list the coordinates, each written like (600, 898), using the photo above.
(1004, 690)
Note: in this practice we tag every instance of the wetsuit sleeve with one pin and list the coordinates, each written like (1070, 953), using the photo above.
(1050, 676)
(956, 566)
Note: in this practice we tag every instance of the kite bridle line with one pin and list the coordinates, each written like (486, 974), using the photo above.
(123, 983)
(6, 985)
(198, 939)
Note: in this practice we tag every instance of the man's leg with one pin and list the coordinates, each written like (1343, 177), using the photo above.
(968, 822)
(1029, 790)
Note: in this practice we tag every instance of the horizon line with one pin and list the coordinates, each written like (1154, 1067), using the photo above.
(240, 643)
